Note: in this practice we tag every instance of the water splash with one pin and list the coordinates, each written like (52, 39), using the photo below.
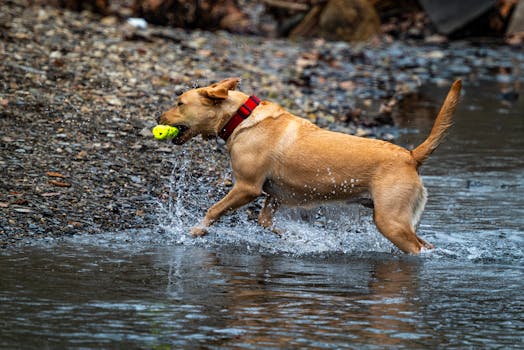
(194, 186)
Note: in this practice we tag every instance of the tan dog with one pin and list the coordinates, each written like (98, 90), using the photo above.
(296, 163)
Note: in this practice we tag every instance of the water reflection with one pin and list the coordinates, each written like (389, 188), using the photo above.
(362, 301)
(71, 295)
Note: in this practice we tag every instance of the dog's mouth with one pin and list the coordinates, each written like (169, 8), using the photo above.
(181, 137)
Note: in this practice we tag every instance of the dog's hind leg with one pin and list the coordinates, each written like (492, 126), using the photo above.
(419, 203)
(399, 232)
(265, 218)
(397, 210)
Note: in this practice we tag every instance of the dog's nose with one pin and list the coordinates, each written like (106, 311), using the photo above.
(158, 118)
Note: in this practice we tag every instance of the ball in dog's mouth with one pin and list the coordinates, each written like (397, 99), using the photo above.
(168, 132)
(163, 132)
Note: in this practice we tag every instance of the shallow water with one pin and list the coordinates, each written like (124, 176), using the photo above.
(331, 282)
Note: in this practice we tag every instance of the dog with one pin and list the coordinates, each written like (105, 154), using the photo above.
(296, 163)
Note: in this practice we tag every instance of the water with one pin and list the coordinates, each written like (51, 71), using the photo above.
(332, 281)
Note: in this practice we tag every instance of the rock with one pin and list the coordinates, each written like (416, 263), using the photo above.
(136, 179)
(113, 100)
(22, 210)
(436, 39)
(516, 24)
(435, 55)
(146, 132)
(138, 23)
(450, 15)
(349, 20)
(509, 94)
(362, 132)
(109, 21)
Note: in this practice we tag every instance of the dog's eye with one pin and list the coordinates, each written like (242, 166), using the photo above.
(179, 103)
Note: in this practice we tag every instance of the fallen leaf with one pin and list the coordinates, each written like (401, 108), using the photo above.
(204, 53)
(347, 85)
(4, 205)
(75, 223)
(109, 20)
(55, 174)
(58, 63)
(81, 155)
(21, 201)
(59, 183)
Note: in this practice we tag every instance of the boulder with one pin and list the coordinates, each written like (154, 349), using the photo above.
(348, 20)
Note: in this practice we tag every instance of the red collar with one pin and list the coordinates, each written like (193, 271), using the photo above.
(243, 112)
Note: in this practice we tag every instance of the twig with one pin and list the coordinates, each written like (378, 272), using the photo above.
(289, 5)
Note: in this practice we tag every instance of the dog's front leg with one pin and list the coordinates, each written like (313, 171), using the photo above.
(240, 195)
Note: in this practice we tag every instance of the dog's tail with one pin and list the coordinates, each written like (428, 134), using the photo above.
(442, 124)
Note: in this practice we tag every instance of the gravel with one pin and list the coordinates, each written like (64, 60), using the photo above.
(79, 94)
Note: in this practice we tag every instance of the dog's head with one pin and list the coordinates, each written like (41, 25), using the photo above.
(201, 111)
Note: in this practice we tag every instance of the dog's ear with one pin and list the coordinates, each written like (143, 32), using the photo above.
(219, 91)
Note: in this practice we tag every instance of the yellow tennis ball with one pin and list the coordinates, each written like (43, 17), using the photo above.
(163, 132)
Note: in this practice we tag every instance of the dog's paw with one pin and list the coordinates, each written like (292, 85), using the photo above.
(426, 249)
(198, 231)
(277, 231)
